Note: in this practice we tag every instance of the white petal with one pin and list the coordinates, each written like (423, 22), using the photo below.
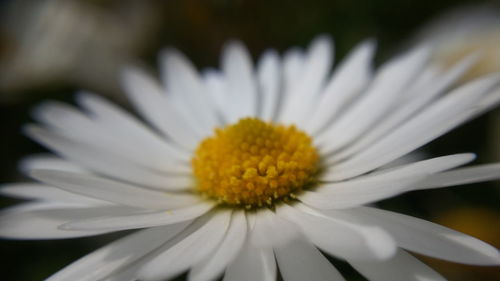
(402, 266)
(342, 88)
(380, 185)
(405, 159)
(341, 238)
(428, 166)
(149, 99)
(113, 191)
(317, 65)
(442, 116)
(300, 260)
(431, 239)
(102, 160)
(293, 69)
(271, 230)
(210, 269)
(115, 256)
(216, 88)
(49, 162)
(139, 219)
(186, 89)
(126, 127)
(179, 255)
(35, 221)
(488, 102)
(252, 263)
(47, 193)
(129, 273)
(242, 99)
(467, 175)
(270, 81)
(380, 96)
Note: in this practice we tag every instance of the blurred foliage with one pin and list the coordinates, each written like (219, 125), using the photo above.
(199, 29)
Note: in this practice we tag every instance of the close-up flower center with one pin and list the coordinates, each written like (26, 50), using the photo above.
(254, 163)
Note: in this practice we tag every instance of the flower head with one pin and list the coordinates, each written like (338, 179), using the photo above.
(242, 171)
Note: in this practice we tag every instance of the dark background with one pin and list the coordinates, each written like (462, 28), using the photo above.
(199, 29)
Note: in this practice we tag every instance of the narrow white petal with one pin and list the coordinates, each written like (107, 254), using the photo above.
(149, 99)
(271, 230)
(488, 102)
(185, 87)
(403, 160)
(42, 220)
(126, 127)
(380, 185)
(139, 219)
(252, 264)
(47, 193)
(428, 166)
(402, 266)
(102, 161)
(466, 175)
(317, 65)
(192, 249)
(115, 256)
(212, 268)
(380, 96)
(49, 162)
(113, 191)
(300, 260)
(293, 67)
(452, 110)
(216, 88)
(361, 193)
(431, 239)
(129, 273)
(341, 238)
(342, 88)
(241, 82)
(270, 81)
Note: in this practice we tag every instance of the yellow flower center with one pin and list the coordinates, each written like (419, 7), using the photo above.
(254, 164)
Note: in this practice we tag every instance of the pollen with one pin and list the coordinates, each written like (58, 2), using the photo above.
(254, 164)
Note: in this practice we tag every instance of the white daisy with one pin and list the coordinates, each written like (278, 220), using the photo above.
(296, 157)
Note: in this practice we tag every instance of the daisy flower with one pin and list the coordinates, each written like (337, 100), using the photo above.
(253, 173)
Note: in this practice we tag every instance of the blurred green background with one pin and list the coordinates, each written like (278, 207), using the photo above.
(51, 49)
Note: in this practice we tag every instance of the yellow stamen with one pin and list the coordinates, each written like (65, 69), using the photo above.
(253, 163)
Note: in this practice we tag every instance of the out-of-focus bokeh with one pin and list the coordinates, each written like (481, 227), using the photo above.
(76, 43)
(49, 49)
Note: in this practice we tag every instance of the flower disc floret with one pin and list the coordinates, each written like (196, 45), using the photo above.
(254, 163)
